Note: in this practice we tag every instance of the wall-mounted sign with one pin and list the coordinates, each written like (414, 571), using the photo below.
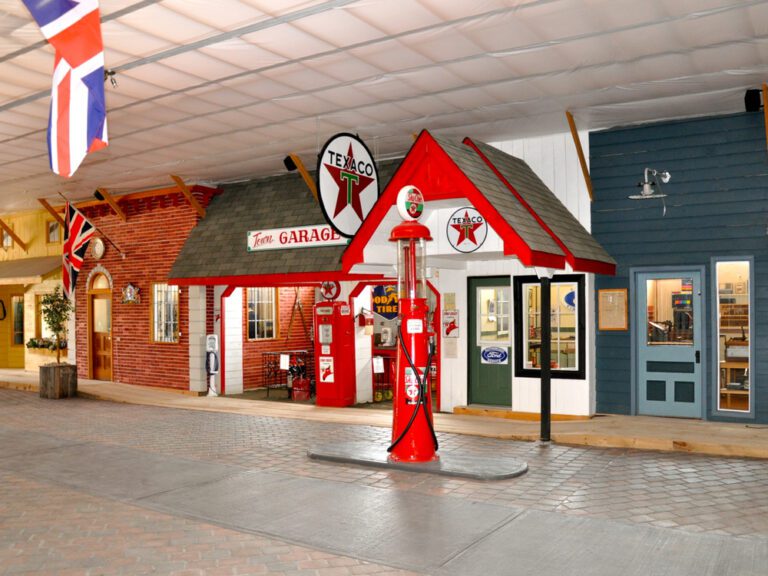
(347, 183)
(330, 289)
(298, 237)
(466, 229)
(131, 294)
(494, 355)
(450, 323)
(384, 301)
(569, 299)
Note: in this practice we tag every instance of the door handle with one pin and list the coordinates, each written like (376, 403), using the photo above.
(698, 357)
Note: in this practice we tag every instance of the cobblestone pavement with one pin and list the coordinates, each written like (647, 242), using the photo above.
(52, 529)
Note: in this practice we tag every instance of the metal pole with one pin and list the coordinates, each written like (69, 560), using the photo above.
(546, 358)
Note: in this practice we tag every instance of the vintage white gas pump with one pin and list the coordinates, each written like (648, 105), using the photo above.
(413, 434)
(212, 362)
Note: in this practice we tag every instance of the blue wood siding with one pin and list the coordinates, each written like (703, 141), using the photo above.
(717, 205)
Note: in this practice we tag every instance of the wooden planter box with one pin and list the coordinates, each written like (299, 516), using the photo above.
(58, 381)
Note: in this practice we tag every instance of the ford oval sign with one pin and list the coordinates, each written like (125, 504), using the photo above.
(494, 355)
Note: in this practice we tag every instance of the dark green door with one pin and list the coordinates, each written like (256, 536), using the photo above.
(490, 365)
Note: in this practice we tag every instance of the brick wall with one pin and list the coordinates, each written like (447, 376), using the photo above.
(296, 339)
(151, 238)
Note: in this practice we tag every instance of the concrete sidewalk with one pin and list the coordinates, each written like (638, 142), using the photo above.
(639, 432)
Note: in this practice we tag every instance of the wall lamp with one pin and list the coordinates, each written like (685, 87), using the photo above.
(650, 186)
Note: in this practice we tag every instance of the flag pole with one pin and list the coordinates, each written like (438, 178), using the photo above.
(107, 238)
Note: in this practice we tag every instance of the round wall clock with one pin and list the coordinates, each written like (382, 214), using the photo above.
(97, 248)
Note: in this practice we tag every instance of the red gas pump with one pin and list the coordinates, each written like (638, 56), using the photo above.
(334, 354)
(413, 434)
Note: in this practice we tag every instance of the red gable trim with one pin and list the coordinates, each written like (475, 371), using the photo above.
(262, 280)
(428, 167)
(578, 264)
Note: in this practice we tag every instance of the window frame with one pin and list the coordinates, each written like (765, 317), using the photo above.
(48, 232)
(715, 333)
(6, 235)
(176, 337)
(275, 315)
(13, 320)
(517, 295)
(39, 322)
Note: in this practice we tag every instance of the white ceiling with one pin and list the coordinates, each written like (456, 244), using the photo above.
(222, 90)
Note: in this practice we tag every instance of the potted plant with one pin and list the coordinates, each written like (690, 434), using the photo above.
(57, 380)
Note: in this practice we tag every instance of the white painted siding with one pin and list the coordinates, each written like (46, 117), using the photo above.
(233, 325)
(554, 159)
(363, 352)
(197, 376)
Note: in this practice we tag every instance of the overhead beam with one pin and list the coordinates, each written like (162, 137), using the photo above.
(580, 152)
(113, 203)
(13, 235)
(51, 211)
(188, 195)
(305, 175)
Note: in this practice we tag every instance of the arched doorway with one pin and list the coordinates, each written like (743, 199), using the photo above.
(100, 328)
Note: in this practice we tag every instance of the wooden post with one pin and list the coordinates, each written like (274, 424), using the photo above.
(113, 203)
(13, 235)
(580, 152)
(188, 195)
(305, 175)
(51, 210)
(765, 111)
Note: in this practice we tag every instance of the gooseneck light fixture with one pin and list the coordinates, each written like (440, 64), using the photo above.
(650, 187)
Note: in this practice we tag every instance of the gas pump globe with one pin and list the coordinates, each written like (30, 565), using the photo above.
(413, 436)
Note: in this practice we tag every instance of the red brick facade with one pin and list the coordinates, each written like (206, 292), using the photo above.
(151, 237)
(298, 338)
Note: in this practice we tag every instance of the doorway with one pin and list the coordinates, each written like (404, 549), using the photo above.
(668, 336)
(100, 328)
(490, 367)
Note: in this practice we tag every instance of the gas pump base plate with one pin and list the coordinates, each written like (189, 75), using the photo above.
(450, 463)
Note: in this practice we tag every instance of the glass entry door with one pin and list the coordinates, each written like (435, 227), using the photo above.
(668, 336)
(490, 365)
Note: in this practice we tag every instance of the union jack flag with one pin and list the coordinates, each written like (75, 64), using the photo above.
(78, 117)
(77, 232)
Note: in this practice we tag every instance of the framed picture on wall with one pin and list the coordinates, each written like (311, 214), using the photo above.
(612, 311)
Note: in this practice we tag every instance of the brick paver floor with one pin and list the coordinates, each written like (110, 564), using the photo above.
(49, 529)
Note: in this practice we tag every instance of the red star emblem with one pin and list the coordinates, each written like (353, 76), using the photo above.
(466, 229)
(350, 184)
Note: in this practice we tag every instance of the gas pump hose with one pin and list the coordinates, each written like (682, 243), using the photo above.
(421, 401)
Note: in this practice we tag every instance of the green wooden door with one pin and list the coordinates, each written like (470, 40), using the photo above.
(490, 365)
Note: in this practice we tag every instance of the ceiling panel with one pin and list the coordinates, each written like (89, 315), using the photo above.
(225, 93)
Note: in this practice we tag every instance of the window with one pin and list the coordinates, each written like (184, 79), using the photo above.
(52, 232)
(165, 313)
(7, 240)
(733, 335)
(17, 311)
(262, 313)
(41, 328)
(567, 326)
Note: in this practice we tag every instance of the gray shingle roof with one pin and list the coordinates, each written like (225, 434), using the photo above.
(500, 196)
(548, 207)
(217, 245)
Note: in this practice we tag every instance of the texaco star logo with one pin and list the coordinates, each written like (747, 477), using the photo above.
(330, 289)
(466, 229)
(347, 183)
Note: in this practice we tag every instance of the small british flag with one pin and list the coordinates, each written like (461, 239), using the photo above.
(77, 232)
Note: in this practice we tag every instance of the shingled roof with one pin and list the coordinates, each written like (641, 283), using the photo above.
(530, 220)
(215, 251)
(578, 244)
